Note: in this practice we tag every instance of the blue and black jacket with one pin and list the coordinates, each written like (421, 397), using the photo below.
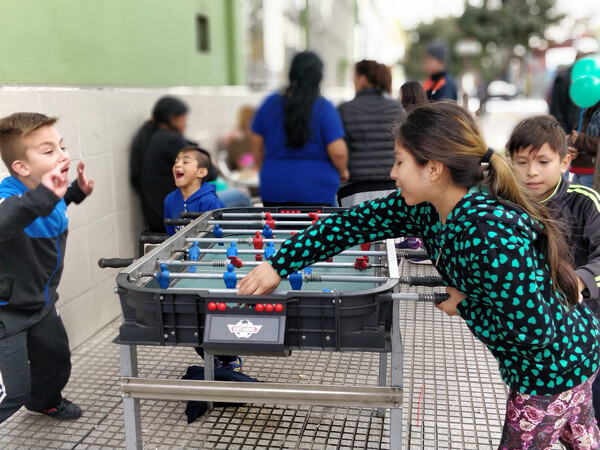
(577, 207)
(33, 236)
(204, 199)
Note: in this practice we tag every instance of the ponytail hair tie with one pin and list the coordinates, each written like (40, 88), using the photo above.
(488, 155)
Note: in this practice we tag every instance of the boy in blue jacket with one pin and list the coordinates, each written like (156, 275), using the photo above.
(192, 194)
(35, 361)
(538, 151)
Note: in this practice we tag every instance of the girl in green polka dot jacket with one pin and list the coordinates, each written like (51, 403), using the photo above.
(501, 257)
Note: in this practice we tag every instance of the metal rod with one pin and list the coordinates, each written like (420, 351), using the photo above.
(224, 262)
(228, 391)
(250, 231)
(260, 223)
(228, 239)
(274, 215)
(260, 252)
(306, 278)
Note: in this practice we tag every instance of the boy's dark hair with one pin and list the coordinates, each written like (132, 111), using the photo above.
(536, 131)
(13, 129)
(201, 155)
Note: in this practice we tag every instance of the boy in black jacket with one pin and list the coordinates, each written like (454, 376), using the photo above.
(34, 351)
(538, 150)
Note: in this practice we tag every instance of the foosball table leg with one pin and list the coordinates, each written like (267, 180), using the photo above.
(396, 378)
(209, 373)
(383, 360)
(131, 406)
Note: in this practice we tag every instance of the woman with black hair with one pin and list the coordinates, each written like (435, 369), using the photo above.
(153, 153)
(368, 120)
(298, 141)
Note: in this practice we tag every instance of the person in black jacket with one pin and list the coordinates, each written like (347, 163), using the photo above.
(153, 153)
(368, 120)
(538, 150)
(439, 85)
(35, 361)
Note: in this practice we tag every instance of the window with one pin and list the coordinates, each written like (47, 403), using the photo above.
(202, 33)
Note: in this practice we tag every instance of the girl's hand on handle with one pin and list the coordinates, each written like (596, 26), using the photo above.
(449, 306)
(56, 180)
(261, 280)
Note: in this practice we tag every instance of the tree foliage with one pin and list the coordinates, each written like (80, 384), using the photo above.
(498, 25)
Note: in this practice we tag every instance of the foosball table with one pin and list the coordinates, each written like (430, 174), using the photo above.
(183, 293)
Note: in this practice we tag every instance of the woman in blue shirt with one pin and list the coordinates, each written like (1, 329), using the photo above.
(298, 141)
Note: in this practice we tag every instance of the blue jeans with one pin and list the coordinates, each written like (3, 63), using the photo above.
(584, 179)
(233, 197)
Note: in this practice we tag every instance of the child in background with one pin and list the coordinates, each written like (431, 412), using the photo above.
(501, 257)
(538, 150)
(193, 194)
(192, 165)
(35, 360)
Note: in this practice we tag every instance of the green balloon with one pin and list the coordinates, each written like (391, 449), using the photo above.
(586, 66)
(585, 91)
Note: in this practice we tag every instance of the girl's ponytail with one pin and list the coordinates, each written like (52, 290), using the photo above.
(503, 185)
(447, 133)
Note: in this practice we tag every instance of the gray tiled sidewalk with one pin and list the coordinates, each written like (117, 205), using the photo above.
(461, 406)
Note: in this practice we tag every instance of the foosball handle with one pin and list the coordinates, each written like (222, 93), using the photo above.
(177, 222)
(440, 298)
(115, 262)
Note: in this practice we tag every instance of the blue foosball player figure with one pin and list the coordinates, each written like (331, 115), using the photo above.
(295, 280)
(193, 255)
(163, 276)
(267, 232)
(269, 250)
(218, 233)
(232, 250)
(230, 277)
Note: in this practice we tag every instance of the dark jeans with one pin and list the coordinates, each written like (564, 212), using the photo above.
(224, 358)
(35, 361)
(596, 398)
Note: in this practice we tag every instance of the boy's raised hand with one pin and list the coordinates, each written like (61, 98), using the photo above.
(86, 186)
(56, 180)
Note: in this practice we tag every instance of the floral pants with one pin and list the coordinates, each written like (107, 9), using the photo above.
(538, 421)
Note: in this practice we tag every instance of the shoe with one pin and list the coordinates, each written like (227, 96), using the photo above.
(234, 366)
(420, 261)
(410, 243)
(65, 410)
(218, 363)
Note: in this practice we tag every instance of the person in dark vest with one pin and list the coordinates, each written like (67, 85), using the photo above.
(439, 85)
(368, 120)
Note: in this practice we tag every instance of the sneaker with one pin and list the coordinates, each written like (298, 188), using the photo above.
(65, 410)
(234, 366)
(410, 243)
(218, 363)
(420, 261)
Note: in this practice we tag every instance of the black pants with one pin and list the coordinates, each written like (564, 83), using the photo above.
(223, 358)
(35, 360)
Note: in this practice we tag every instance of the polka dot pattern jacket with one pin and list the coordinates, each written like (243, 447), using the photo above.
(490, 252)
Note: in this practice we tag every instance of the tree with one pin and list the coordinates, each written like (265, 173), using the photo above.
(504, 29)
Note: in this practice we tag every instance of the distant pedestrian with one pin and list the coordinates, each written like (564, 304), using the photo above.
(439, 84)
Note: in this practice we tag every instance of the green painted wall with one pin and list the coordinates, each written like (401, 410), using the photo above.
(119, 43)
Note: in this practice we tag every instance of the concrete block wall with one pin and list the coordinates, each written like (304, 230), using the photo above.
(97, 126)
